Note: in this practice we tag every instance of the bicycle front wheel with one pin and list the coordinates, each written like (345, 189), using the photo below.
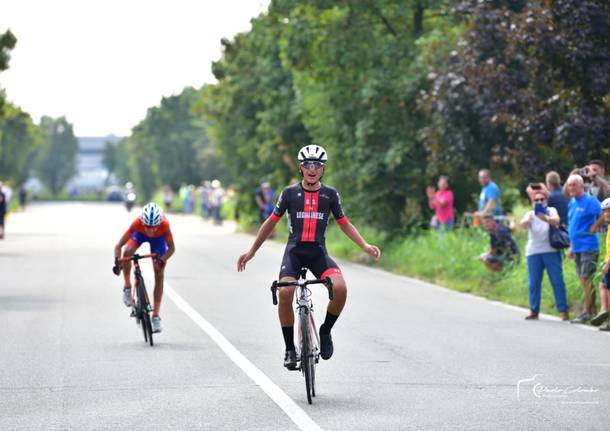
(147, 327)
(307, 360)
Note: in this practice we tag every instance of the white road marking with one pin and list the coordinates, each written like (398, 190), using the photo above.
(292, 410)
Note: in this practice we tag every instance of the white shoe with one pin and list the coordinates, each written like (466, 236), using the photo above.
(156, 324)
(127, 297)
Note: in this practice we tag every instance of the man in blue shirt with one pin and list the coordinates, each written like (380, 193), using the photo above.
(583, 212)
(489, 199)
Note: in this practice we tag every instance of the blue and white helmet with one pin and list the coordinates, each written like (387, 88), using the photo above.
(606, 204)
(314, 153)
(152, 215)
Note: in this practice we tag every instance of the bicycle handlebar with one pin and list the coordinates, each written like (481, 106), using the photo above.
(326, 281)
(116, 269)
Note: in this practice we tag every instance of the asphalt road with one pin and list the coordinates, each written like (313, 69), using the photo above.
(408, 355)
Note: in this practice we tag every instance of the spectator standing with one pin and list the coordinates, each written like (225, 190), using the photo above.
(441, 201)
(23, 197)
(489, 199)
(265, 197)
(168, 198)
(541, 255)
(556, 197)
(189, 199)
(216, 202)
(204, 195)
(583, 212)
(597, 185)
(503, 247)
(182, 192)
(8, 193)
(3, 210)
(604, 286)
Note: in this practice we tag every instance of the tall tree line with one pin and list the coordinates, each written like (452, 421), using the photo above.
(47, 150)
(400, 91)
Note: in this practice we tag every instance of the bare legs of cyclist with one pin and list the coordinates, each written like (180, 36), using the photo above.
(286, 314)
(159, 278)
(128, 251)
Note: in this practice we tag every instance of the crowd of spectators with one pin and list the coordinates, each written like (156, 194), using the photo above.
(564, 221)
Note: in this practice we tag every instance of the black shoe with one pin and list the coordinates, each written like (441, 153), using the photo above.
(290, 359)
(326, 346)
(581, 319)
(600, 318)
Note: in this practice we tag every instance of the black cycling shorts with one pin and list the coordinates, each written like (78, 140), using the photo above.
(308, 255)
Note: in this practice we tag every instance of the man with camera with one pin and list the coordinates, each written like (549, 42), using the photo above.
(595, 183)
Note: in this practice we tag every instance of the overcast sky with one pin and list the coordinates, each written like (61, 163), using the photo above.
(103, 63)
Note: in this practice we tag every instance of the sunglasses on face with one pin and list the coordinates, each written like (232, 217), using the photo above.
(312, 165)
(540, 200)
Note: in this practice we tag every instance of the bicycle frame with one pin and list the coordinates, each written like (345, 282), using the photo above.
(309, 345)
(141, 308)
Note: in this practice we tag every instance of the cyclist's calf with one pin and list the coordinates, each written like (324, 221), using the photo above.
(340, 295)
(286, 296)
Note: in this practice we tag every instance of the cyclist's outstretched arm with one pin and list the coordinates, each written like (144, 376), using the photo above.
(353, 234)
(120, 244)
(171, 249)
(263, 233)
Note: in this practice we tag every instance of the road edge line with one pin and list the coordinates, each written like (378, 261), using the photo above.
(277, 395)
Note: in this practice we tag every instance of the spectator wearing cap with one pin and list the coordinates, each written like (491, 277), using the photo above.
(541, 255)
(583, 212)
(502, 246)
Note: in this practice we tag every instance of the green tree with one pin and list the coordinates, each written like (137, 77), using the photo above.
(344, 75)
(19, 139)
(171, 146)
(528, 91)
(7, 43)
(57, 158)
(255, 121)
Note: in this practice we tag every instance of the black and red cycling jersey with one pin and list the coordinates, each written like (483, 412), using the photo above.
(309, 212)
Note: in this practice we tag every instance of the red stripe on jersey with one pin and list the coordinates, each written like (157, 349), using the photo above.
(305, 233)
(313, 222)
(343, 220)
(274, 217)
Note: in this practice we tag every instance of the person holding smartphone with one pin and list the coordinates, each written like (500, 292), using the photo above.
(541, 255)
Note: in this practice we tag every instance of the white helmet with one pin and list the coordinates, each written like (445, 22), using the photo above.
(152, 215)
(313, 153)
(606, 204)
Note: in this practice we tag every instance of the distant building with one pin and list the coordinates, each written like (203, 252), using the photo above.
(92, 174)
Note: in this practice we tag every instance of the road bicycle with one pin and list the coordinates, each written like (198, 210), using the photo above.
(141, 308)
(308, 338)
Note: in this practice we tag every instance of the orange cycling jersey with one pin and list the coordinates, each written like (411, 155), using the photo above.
(161, 230)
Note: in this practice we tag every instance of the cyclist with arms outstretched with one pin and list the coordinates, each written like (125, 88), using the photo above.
(151, 227)
(309, 204)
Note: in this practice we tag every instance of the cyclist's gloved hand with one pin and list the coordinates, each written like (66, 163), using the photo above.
(116, 269)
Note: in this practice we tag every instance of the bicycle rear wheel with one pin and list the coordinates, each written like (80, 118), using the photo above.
(306, 356)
